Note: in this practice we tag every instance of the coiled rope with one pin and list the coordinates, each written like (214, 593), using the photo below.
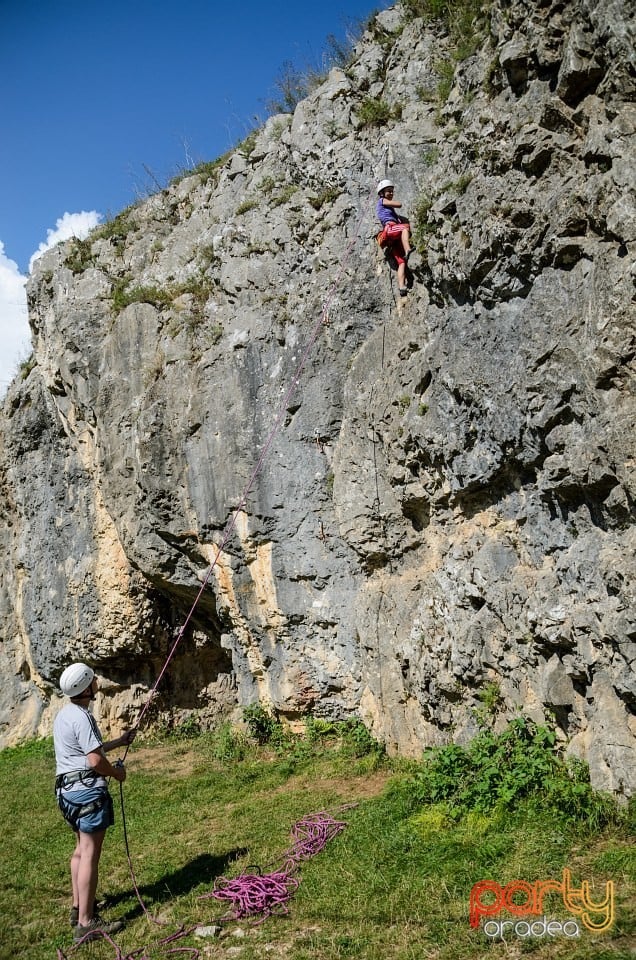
(253, 894)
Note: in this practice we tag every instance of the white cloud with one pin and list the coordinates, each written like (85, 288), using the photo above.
(70, 225)
(15, 337)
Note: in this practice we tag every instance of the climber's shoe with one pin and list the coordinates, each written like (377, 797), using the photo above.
(95, 929)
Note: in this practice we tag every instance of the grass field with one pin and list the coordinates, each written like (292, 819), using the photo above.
(394, 885)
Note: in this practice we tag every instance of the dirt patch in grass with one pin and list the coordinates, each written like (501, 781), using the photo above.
(164, 757)
(364, 787)
(180, 760)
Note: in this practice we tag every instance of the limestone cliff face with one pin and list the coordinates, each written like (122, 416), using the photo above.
(445, 516)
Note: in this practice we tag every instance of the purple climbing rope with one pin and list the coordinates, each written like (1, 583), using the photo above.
(140, 952)
(261, 895)
(251, 894)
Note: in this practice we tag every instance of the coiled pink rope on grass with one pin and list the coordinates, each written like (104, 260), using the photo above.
(262, 895)
(253, 894)
(250, 894)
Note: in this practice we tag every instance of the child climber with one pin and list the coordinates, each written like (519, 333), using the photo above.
(396, 232)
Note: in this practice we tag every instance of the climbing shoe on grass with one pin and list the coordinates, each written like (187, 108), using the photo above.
(95, 929)
(74, 914)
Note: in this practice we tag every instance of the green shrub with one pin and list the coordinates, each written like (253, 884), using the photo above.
(228, 744)
(462, 19)
(358, 742)
(246, 147)
(266, 185)
(294, 83)
(463, 183)
(199, 287)
(498, 771)
(215, 334)
(292, 86)
(286, 194)
(123, 295)
(209, 169)
(445, 70)
(325, 196)
(245, 206)
(187, 729)
(421, 228)
(261, 723)
(374, 112)
(430, 157)
(80, 255)
(117, 228)
(26, 366)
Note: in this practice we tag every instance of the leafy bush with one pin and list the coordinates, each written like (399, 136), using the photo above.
(228, 744)
(123, 296)
(199, 287)
(245, 206)
(285, 195)
(325, 196)
(209, 169)
(421, 227)
(358, 742)
(350, 737)
(261, 723)
(374, 112)
(116, 228)
(26, 366)
(497, 771)
(294, 83)
(445, 70)
(187, 729)
(460, 17)
(80, 255)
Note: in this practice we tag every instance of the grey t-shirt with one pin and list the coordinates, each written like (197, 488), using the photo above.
(75, 733)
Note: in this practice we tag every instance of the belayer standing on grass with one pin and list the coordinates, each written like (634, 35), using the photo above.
(81, 789)
(396, 232)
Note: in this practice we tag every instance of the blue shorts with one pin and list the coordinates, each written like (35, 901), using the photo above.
(71, 802)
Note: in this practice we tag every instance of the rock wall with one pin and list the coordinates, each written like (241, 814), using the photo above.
(442, 525)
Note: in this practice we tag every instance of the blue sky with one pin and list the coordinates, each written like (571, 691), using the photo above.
(101, 99)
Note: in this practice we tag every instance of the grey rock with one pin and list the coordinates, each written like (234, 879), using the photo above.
(445, 500)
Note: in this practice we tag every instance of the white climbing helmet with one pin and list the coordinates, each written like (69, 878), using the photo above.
(76, 679)
(383, 184)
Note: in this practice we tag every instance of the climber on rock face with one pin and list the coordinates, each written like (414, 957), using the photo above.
(396, 232)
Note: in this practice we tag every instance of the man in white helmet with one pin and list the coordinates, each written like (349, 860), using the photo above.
(396, 231)
(81, 788)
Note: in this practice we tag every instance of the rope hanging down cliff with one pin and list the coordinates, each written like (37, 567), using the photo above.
(323, 318)
(278, 420)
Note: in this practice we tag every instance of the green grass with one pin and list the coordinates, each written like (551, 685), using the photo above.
(394, 885)
(375, 112)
